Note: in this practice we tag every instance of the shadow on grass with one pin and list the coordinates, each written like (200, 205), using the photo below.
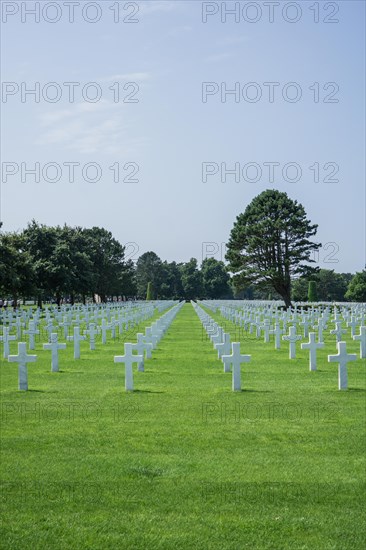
(147, 391)
(252, 391)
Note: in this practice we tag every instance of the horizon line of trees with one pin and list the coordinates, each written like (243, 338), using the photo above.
(77, 264)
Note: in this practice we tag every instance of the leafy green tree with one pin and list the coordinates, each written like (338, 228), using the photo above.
(16, 267)
(357, 288)
(312, 292)
(171, 285)
(269, 243)
(107, 257)
(299, 289)
(128, 282)
(191, 280)
(149, 293)
(40, 241)
(216, 280)
(331, 286)
(149, 269)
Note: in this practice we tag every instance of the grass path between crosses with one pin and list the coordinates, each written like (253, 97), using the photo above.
(183, 462)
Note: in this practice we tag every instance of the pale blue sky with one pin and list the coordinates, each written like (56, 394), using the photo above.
(170, 132)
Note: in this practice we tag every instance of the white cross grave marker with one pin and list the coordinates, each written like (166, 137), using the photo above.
(145, 346)
(353, 324)
(5, 339)
(236, 359)
(292, 337)
(128, 359)
(54, 346)
(277, 332)
(31, 332)
(338, 331)
(362, 339)
(22, 359)
(224, 348)
(342, 358)
(92, 332)
(312, 346)
(76, 339)
(266, 329)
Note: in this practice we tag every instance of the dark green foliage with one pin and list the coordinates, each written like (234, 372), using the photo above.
(148, 269)
(269, 243)
(357, 288)
(330, 286)
(312, 292)
(64, 261)
(215, 279)
(149, 292)
(191, 280)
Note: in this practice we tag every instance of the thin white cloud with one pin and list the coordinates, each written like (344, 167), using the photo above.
(89, 128)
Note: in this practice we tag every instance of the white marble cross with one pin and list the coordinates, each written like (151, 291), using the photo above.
(31, 332)
(305, 323)
(362, 339)
(342, 358)
(128, 359)
(18, 325)
(338, 331)
(140, 347)
(320, 326)
(266, 327)
(92, 332)
(292, 338)
(66, 323)
(22, 359)
(277, 332)
(54, 346)
(150, 337)
(76, 339)
(353, 324)
(224, 347)
(236, 359)
(5, 339)
(257, 324)
(50, 328)
(216, 338)
(104, 329)
(145, 346)
(312, 346)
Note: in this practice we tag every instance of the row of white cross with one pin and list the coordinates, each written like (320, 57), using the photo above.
(136, 315)
(221, 342)
(145, 343)
(98, 320)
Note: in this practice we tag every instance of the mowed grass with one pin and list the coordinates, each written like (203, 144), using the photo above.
(183, 462)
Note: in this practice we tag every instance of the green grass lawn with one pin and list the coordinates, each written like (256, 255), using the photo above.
(183, 462)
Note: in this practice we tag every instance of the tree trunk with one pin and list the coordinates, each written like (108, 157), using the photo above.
(84, 299)
(58, 299)
(39, 301)
(15, 301)
(287, 299)
(72, 299)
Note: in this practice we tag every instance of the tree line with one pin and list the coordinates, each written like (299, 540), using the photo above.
(269, 255)
(78, 264)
